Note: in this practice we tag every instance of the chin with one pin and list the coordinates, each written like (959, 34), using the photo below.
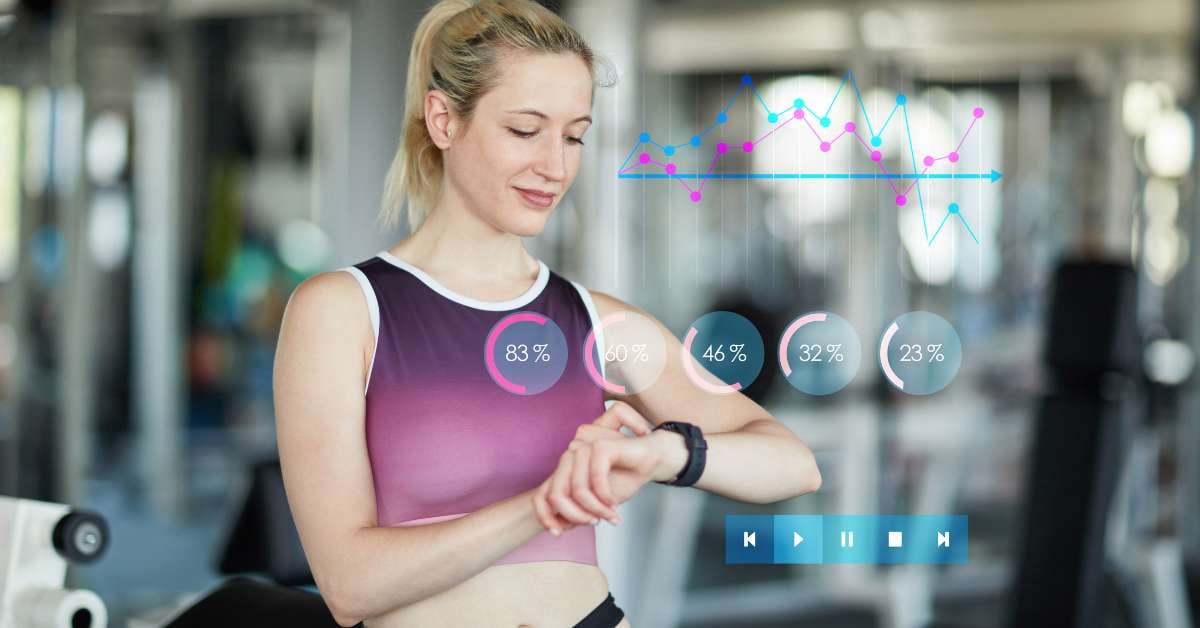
(525, 222)
(534, 226)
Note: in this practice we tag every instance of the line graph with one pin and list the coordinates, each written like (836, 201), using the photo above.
(901, 184)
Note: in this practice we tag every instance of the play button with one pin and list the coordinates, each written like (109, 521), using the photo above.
(804, 534)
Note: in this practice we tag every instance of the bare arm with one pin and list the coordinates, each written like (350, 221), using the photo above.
(361, 569)
(752, 457)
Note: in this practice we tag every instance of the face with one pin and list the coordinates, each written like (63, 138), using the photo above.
(516, 158)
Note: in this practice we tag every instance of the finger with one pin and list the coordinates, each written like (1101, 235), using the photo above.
(569, 510)
(598, 468)
(609, 418)
(590, 432)
(542, 509)
(554, 522)
(630, 417)
(562, 503)
(581, 489)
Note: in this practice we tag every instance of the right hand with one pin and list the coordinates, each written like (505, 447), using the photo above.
(565, 499)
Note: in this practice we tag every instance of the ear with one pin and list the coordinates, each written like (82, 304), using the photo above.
(440, 120)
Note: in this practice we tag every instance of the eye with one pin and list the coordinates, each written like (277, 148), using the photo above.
(528, 134)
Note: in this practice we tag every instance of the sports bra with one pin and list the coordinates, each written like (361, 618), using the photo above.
(443, 438)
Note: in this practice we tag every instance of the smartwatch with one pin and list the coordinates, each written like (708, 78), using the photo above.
(697, 448)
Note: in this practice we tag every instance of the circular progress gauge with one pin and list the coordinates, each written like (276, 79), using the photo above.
(728, 347)
(920, 353)
(525, 353)
(634, 353)
(819, 353)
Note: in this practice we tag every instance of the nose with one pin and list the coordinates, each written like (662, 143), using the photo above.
(551, 160)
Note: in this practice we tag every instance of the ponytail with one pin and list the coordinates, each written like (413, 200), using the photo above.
(416, 171)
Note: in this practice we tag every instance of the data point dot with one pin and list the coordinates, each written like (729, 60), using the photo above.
(671, 168)
(825, 146)
(695, 196)
(876, 141)
(978, 112)
(901, 99)
(722, 147)
(668, 150)
(644, 137)
(644, 158)
(876, 155)
(825, 121)
(798, 114)
(953, 157)
(747, 146)
(799, 102)
(772, 118)
(901, 200)
(849, 127)
(722, 118)
(745, 79)
(928, 161)
(953, 208)
(695, 140)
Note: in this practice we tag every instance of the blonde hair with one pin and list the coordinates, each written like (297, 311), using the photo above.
(455, 50)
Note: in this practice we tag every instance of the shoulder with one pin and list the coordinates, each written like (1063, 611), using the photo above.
(325, 291)
(328, 299)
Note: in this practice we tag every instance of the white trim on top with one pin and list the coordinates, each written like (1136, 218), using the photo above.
(373, 309)
(495, 306)
(592, 314)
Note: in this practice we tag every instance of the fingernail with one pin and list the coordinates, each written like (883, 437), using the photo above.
(554, 531)
(595, 521)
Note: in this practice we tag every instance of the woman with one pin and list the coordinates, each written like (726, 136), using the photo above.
(423, 493)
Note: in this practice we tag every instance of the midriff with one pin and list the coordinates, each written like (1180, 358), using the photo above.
(541, 594)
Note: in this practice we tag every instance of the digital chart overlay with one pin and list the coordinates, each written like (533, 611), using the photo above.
(639, 161)
(722, 352)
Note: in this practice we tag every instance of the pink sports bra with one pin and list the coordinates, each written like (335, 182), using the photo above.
(444, 439)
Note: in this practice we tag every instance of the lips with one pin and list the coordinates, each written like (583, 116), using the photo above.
(536, 198)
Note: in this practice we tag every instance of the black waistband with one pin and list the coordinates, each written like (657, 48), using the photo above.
(606, 615)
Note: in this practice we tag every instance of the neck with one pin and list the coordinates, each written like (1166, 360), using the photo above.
(453, 240)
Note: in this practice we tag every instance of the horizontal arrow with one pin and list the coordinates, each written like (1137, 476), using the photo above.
(796, 539)
(992, 176)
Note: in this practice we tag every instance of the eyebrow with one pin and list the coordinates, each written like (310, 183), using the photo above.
(535, 112)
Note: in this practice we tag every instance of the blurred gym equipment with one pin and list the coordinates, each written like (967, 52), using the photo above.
(37, 540)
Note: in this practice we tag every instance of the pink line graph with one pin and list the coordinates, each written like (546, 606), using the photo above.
(825, 145)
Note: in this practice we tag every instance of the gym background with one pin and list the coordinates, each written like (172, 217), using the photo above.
(171, 169)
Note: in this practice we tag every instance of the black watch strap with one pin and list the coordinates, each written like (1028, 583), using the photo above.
(697, 448)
